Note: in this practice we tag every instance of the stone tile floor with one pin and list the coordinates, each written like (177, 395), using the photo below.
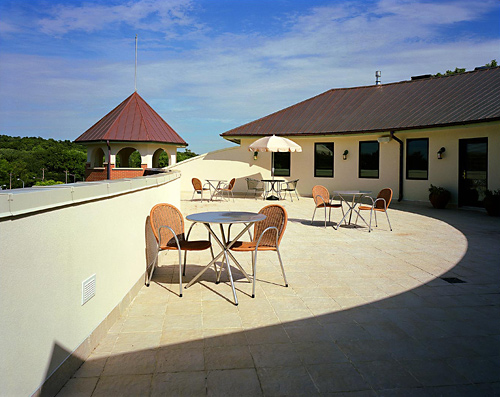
(366, 314)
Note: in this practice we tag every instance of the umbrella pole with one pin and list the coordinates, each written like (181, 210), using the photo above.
(272, 196)
(272, 165)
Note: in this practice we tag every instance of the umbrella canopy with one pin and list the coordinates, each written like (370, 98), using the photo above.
(274, 144)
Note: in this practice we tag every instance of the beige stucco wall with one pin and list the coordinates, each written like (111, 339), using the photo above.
(59, 237)
(238, 162)
(445, 172)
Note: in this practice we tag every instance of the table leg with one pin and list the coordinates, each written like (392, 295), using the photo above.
(348, 212)
(225, 251)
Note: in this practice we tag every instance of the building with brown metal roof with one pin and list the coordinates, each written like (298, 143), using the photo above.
(132, 126)
(443, 131)
(471, 97)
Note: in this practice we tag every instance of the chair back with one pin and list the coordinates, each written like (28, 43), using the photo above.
(167, 215)
(231, 184)
(196, 184)
(276, 216)
(386, 194)
(292, 184)
(252, 184)
(320, 195)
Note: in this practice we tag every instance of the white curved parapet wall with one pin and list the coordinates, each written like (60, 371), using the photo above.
(52, 239)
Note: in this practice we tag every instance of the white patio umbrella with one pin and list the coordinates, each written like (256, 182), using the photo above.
(274, 144)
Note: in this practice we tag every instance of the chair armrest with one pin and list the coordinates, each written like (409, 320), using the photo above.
(189, 232)
(380, 199)
(372, 200)
(321, 197)
(262, 235)
(173, 233)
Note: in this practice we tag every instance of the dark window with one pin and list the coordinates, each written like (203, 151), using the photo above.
(417, 158)
(281, 164)
(368, 159)
(323, 160)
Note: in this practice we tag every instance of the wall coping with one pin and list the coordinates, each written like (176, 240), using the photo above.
(17, 202)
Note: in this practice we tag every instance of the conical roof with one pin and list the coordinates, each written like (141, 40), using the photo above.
(132, 120)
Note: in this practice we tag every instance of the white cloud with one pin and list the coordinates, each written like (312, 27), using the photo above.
(228, 79)
(154, 15)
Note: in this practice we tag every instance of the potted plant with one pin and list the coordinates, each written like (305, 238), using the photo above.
(491, 202)
(439, 196)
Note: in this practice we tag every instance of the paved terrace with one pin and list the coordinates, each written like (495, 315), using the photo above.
(366, 314)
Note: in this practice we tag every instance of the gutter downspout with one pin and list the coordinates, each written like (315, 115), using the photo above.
(108, 171)
(401, 148)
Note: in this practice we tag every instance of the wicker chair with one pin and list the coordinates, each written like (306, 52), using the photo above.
(321, 198)
(380, 204)
(167, 223)
(226, 189)
(256, 186)
(198, 188)
(290, 187)
(266, 237)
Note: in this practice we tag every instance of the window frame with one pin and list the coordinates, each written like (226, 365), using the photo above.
(408, 141)
(360, 159)
(316, 161)
(273, 162)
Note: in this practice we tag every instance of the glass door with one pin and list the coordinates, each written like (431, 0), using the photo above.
(473, 175)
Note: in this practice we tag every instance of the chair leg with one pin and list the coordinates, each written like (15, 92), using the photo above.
(184, 268)
(180, 273)
(296, 194)
(388, 221)
(370, 226)
(312, 220)
(149, 275)
(282, 268)
(254, 268)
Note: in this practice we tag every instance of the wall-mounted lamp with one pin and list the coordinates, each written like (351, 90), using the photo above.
(344, 155)
(440, 153)
(255, 155)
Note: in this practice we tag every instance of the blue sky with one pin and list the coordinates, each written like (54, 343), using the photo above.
(207, 66)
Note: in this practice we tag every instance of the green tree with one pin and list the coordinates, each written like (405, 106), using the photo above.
(492, 64)
(186, 154)
(25, 158)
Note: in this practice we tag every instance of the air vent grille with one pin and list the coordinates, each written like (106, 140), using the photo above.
(88, 289)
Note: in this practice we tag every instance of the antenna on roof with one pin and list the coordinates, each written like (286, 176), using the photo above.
(135, 73)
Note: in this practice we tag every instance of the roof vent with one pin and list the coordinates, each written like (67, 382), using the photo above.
(422, 76)
(378, 73)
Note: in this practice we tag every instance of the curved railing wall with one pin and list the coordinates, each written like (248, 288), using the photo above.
(52, 239)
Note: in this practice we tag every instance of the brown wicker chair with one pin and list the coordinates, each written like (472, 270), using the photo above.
(267, 237)
(321, 198)
(167, 223)
(226, 189)
(380, 204)
(198, 188)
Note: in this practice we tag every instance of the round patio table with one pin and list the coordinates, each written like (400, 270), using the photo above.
(351, 204)
(271, 187)
(225, 218)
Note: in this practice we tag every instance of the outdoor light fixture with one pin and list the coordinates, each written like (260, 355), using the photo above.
(255, 155)
(344, 155)
(440, 153)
